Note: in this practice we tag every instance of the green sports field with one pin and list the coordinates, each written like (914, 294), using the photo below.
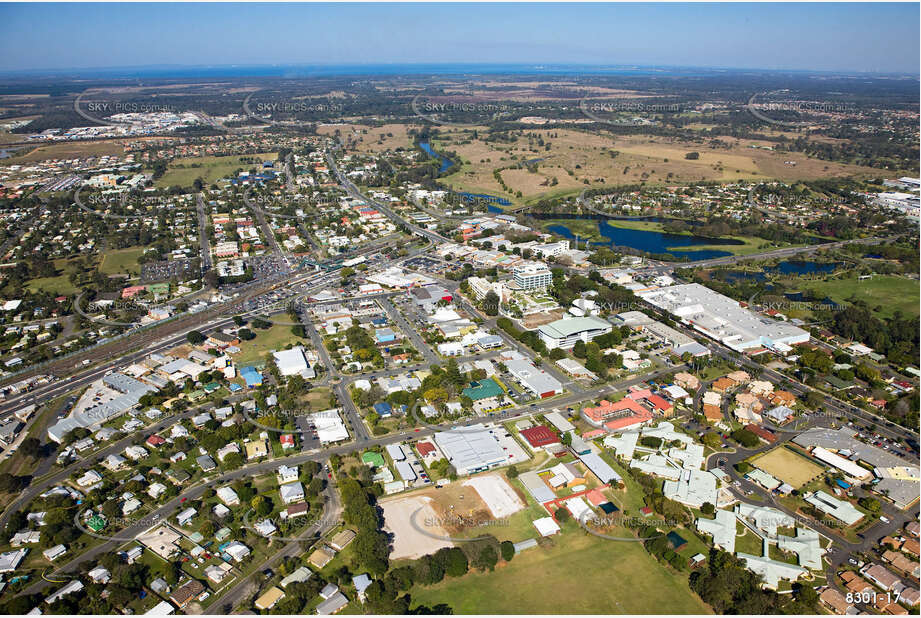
(580, 574)
(884, 293)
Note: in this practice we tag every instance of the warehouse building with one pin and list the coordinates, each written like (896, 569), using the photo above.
(533, 378)
(566, 332)
(293, 362)
(722, 318)
(472, 450)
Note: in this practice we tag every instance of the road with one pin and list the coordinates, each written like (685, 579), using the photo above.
(351, 189)
(267, 231)
(778, 253)
(249, 585)
(409, 330)
(203, 242)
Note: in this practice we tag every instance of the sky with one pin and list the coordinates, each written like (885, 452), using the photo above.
(824, 37)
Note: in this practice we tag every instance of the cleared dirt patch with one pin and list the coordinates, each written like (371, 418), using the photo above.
(408, 540)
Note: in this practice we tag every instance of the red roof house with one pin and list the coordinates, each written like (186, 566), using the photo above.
(761, 432)
(659, 404)
(155, 440)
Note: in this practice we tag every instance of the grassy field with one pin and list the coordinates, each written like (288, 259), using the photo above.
(122, 261)
(371, 139)
(277, 337)
(53, 285)
(885, 294)
(183, 172)
(790, 467)
(576, 160)
(577, 574)
(66, 150)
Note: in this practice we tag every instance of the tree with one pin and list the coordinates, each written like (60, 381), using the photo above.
(508, 550)
(745, 437)
(261, 505)
(487, 558)
(491, 303)
(195, 337)
(707, 509)
(32, 447)
(511, 472)
(711, 439)
(562, 515)
(453, 560)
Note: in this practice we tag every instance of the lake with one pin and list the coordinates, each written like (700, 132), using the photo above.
(645, 240)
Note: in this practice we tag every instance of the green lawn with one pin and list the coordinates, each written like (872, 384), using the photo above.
(884, 293)
(277, 337)
(122, 261)
(578, 574)
(53, 285)
(183, 172)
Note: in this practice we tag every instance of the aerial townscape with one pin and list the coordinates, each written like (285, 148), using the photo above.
(479, 337)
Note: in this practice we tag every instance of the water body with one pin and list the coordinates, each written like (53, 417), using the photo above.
(799, 297)
(804, 268)
(446, 163)
(784, 268)
(648, 241)
(6, 153)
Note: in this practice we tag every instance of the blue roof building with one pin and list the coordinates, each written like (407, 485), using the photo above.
(383, 409)
(253, 378)
(385, 335)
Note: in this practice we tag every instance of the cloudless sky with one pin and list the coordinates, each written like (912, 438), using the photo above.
(832, 37)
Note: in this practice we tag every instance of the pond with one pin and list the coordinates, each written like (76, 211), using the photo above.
(787, 267)
(648, 241)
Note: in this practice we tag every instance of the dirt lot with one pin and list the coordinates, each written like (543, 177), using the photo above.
(408, 541)
(784, 464)
(534, 320)
(455, 510)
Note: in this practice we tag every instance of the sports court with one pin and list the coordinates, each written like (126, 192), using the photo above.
(788, 466)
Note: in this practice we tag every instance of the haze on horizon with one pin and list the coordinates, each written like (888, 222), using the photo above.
(822, 37)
